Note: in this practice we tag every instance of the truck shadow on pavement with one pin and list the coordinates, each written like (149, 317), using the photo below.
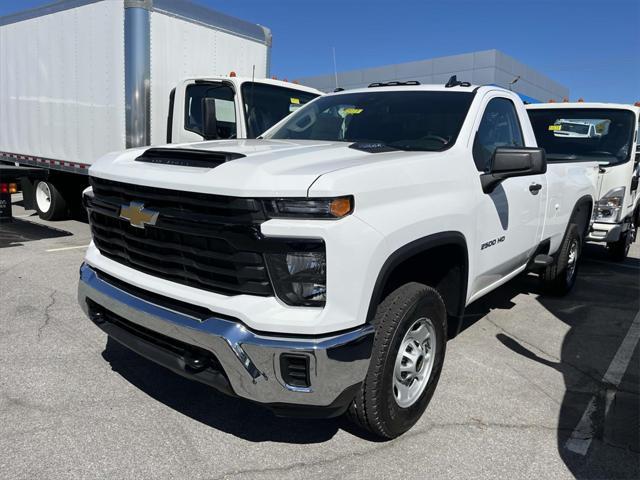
(17, 232)
(235, 416)
(599, 312)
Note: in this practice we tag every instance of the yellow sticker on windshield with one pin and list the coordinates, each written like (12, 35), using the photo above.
(555, 128)
(295, 100)
(352, 111)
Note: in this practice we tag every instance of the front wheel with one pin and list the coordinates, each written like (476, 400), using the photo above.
(406, 361)
(49, 202)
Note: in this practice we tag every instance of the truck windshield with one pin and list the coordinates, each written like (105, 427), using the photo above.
(404, 120)
(265, 105)
(591, 133)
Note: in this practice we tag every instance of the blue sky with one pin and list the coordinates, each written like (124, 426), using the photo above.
(591, 46)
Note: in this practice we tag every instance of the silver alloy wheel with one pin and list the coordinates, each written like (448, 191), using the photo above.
(414, 362)
(572, 261)
(43, 196)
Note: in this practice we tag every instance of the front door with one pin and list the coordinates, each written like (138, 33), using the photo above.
(509, 219)
(188, 112)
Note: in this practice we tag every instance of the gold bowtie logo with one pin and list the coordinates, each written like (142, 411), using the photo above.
(137, 215)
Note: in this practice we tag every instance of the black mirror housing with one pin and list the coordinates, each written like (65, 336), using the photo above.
(508, 162)
(209, 121)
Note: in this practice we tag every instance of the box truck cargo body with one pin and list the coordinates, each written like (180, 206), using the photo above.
(80, 78)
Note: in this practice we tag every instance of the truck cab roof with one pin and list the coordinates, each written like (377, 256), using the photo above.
(544, 106)
(269, 81)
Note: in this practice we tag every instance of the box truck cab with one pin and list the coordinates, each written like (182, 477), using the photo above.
(607, 133)
(219, 108)
(81, 78)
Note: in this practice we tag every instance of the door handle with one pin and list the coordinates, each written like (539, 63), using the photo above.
(534, 188)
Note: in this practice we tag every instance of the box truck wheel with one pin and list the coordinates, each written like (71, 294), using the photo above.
(620, 249)
(408, 352)
(49, 202)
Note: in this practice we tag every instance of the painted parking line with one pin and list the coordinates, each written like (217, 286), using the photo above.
(66, 248)
(582, 435)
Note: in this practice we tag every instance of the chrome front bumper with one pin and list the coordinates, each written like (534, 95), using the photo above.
(250, 362)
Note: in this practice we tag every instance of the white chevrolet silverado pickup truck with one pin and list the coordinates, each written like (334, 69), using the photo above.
(321, 268)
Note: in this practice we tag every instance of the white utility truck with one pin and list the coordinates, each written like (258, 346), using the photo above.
(80, 78)
(606, 133)
(321, 268)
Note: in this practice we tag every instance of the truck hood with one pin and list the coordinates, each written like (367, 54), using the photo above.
(271, 168)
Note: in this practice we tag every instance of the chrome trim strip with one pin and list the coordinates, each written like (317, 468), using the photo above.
(250, 360)
(175, 8)
(44, 10)
(210, 18)
(137, 74)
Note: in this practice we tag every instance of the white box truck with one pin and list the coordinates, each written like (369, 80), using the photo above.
(606, 133)
(80, 78)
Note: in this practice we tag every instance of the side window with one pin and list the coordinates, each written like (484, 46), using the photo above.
(225, 108)
(499, 127)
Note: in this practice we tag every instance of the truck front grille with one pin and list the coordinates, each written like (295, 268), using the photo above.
(204, 241)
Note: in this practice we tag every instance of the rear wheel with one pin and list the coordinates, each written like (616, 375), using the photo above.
(559, 277)
(406, 361)
(49, 202)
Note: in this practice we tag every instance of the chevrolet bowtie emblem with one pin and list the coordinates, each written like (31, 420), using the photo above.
(137, 215)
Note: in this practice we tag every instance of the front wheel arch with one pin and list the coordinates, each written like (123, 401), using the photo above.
(449, 251)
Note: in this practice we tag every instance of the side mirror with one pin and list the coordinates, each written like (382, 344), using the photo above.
(634, 183)
(209, 122)
(510, 162)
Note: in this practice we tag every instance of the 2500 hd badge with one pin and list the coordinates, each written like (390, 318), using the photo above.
(493, 242)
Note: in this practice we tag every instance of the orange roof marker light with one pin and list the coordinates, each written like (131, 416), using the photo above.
(581, 100)
(551, 100)
(565, 100)
(232, 73)
(637, 104)
(274, 77)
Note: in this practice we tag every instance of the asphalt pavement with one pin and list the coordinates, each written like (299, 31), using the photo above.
(533, 388)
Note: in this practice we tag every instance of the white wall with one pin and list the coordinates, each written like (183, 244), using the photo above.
(62, 83)
(181, 49)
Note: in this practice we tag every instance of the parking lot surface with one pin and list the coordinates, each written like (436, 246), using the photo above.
(534, 387)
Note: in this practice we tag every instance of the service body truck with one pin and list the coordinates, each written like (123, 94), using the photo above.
(80, 78)
(321, 268)
(608, 134)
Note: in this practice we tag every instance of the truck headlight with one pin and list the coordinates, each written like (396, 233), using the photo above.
(609, 207)
(324, 208)
(299, 278)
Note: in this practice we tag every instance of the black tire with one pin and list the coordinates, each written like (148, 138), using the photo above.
(57, 209)
(619, 250)
(559, 278)
(374, 407)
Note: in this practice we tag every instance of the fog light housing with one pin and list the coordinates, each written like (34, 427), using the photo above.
(299, 278)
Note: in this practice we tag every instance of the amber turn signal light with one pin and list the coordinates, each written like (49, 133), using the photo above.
(341, 207)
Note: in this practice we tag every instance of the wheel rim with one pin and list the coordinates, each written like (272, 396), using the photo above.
(631, 237)
(572, 262)
(43, 197)
(414, 362)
